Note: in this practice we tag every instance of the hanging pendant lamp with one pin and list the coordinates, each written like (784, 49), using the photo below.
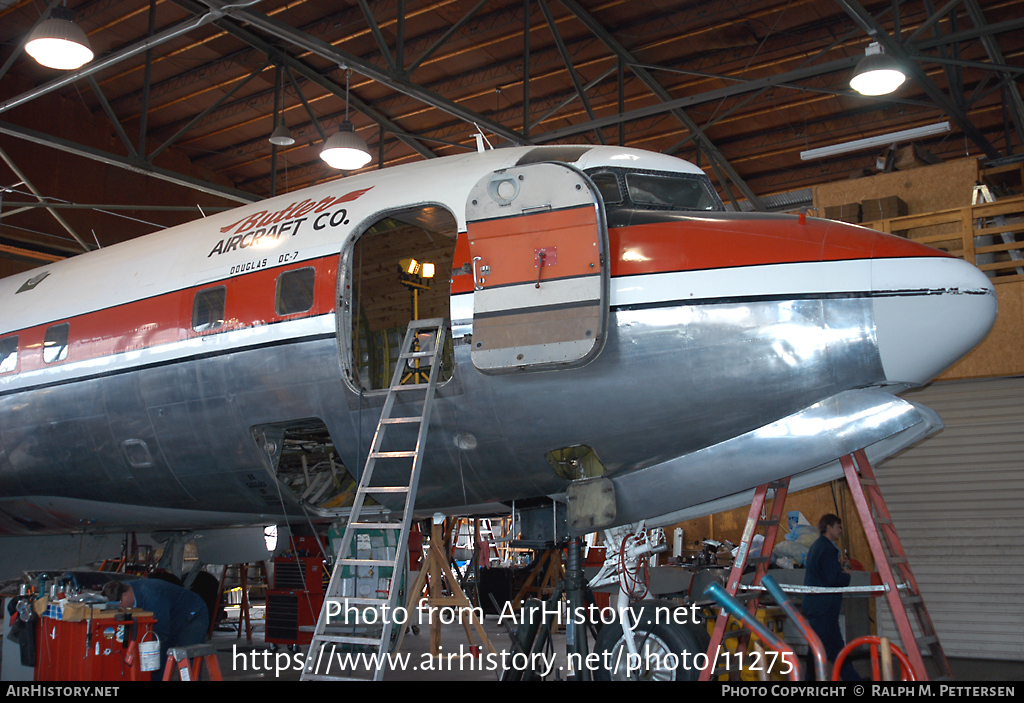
(57, 42)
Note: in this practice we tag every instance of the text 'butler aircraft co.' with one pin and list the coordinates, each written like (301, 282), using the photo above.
(604, 307)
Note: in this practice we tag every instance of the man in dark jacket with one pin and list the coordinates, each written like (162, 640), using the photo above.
(823, 568)
(181, 617)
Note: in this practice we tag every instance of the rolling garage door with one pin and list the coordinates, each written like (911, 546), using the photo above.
(957, 500)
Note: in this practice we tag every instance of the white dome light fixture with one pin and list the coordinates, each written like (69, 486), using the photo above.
(57, 42)
(877, 73)
(345, 150)
(282, 136)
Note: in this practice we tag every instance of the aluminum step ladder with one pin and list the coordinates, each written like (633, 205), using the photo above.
(755, 519)
(902, 592)
(361, 630)
(996, 224)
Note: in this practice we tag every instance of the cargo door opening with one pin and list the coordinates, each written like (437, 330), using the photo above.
(389, 284)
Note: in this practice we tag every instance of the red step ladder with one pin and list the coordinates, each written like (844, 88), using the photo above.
(189, 662)
(902, 591)
(754, 520)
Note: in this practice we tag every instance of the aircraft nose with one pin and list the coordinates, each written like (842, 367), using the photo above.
(929, 312)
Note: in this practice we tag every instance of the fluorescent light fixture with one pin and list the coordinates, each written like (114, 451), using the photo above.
(58, 42)
(877, 73)
(872, 142)
(345, 149)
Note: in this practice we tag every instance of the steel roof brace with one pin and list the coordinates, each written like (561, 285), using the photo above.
(96, 66)
(709, 148)
(331, 53)
(312, 75)
(112, 117)
(876, 31)
(567, 60)
(39, 196)
(195, 120)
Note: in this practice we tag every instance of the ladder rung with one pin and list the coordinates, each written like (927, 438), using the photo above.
(883, 521)
(911, 600)
(769, 522)
(417, 355)
(927, 640)
(393, 455)
(385, 489)
(348, 639)
(401, 420)
(898, 560)
(372, 602)
(779, 484)
(366, 562)
(411, 387)
(376, 525)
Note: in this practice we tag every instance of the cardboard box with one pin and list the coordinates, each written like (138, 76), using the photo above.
(847, 212)
(875, 209)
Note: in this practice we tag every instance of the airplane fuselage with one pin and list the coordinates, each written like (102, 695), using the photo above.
(716, 344)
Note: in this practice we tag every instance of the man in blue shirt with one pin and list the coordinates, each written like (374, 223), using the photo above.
(181, 617)
(822, 568)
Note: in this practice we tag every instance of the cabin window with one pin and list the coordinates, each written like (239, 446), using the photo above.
(8, 354)
(208, 309)
(55, 343)
(295, 291)
(608, 184)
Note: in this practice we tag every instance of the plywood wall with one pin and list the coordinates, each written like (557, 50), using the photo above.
(387, 302)
(1002, 351)
(924, 189)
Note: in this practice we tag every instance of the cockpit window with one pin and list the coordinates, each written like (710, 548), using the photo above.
(635, 189)
(608, 184)
(674, 192)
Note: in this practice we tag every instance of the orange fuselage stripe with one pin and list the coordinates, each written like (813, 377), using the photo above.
(697, 244)
(167, 318)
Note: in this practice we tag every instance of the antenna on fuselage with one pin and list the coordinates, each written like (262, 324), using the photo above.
(480, 139)
(201, 209)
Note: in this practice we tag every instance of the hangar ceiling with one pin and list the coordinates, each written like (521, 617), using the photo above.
(176, 107)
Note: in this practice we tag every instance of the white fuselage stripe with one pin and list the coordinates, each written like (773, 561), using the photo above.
(216, 343)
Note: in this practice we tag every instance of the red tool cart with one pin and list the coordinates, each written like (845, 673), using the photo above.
(100, 647)
(294, 603)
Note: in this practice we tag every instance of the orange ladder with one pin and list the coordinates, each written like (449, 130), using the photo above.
(190, 662)
(902, 591)
(754, 520)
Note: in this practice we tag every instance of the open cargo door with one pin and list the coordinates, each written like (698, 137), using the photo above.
(538, 244)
